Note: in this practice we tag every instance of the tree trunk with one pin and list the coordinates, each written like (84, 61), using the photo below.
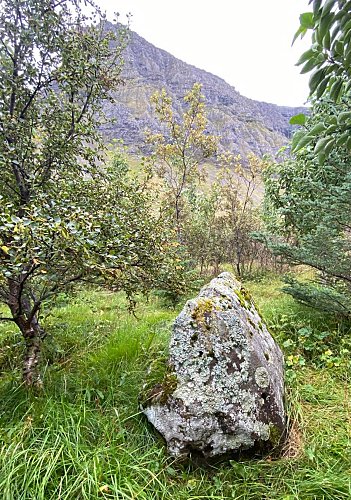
(25, 315)
(32, 336)
(238, 269)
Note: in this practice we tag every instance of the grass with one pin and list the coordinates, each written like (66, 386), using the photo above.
(84, 438)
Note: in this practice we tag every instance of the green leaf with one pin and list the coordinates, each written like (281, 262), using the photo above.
(296, 138)
(321, 157)
(301, 31)
(310, 64)
(321, 88)
(306, 56)
(316, 129)
(322, 144)
(327, 41)
(335, 89)
(347, 27)
(316, 79)
(331, 129)
(329, 146)
(304, 141)
(324, 26)
(299, 119)
(306, 20)
(347, 60)
(316, 6)
(342, 140)
(329, 4)
(344, 117)
(334, 33)
(338, 48)
(323, 148)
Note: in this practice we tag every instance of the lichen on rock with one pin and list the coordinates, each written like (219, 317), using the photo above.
(224, 391)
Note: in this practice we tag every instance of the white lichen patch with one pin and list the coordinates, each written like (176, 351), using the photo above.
(262, 377)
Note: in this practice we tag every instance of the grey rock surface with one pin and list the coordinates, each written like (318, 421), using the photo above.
(243, 125)
(223, 389)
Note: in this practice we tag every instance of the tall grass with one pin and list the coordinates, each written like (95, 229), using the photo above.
(83, 437)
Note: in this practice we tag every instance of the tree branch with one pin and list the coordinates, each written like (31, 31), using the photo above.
(7, 50)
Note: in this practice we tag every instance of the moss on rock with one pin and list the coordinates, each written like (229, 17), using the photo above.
(161, 381)
(275, 435)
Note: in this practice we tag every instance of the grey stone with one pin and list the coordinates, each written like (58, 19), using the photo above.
(223, 389)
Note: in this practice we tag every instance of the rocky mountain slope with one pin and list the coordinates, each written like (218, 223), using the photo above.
(243, 124)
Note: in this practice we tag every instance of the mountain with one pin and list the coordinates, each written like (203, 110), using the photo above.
(243, 124)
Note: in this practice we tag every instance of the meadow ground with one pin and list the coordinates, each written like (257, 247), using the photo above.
(83, 436)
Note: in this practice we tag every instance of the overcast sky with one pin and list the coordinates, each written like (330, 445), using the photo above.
(246, 42)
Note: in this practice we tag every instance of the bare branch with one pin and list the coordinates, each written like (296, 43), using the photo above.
(6, 319)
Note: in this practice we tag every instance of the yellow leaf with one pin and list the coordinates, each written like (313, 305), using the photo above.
(5, 249)
(104, 489)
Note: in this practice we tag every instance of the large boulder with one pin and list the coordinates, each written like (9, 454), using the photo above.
(223, 387)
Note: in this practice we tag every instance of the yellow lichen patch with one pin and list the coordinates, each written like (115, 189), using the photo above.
(242, 300)
(246, 294)
(245, 298)
(202, 311)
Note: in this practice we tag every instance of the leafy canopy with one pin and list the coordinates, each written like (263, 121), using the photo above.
(65, 216)
(308, 196)
(329, 60)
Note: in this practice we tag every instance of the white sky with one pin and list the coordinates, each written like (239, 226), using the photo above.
(246, 42)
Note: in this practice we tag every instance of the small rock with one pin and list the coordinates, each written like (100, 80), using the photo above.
(223, 388)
